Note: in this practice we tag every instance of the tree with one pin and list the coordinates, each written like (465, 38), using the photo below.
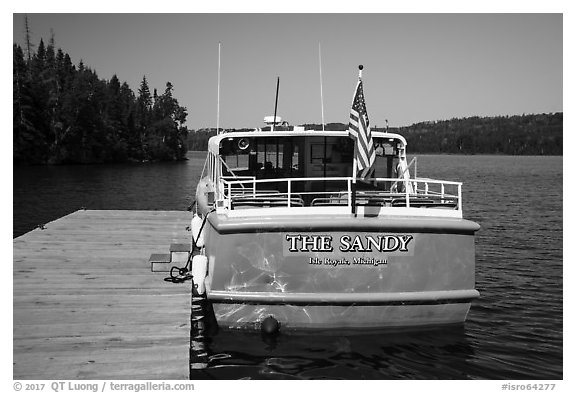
(28, 40)
(142, 118)
(67, 114)
(26, 137)
(168, 136)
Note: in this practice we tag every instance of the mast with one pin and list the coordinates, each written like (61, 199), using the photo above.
(218, 99)
(321, 95)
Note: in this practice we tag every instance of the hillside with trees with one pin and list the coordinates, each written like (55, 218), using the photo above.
(511, 135)
(63, 113)
(539, 134)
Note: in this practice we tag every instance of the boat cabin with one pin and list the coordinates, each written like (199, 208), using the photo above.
(307, 168)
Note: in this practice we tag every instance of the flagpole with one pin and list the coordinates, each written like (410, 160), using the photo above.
(355, 161)
(354, 169)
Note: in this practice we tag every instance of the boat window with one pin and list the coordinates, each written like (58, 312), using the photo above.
(263, 157)
(295, 157)
(235, 153)
(331, 151)
(271, 153)
(237, 161)
(317, 153)
(212, 167)
(387, 150)
(329, 156)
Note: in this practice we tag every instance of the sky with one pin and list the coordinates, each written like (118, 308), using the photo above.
(417, 67)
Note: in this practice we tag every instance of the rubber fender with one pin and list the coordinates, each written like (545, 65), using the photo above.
(199, 270)
(196, 226)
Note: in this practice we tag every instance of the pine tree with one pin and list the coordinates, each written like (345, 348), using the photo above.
(40, 95)
(143, 114)
(113, 120)
(169, 133)
(25, 134)
(28, 39)
(51, 83)
(144, 98)
(39, 59)
(128, 104)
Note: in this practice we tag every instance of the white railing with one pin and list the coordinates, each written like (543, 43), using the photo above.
(247, 191)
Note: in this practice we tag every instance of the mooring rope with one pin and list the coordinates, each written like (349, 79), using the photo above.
(183, 272)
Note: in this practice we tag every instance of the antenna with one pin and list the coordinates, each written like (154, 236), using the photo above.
(218, 99)
(276, 104)
(321, 95)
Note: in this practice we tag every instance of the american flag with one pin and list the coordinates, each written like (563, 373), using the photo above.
(359, 129)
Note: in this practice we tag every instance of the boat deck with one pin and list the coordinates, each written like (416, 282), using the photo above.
(87, 306)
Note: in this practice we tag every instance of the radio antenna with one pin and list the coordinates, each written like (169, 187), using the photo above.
(321, 95)
(218, 99)
(276, 104)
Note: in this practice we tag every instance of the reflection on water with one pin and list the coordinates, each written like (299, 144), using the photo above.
(438, 353)
(46, 193)
(199, 334)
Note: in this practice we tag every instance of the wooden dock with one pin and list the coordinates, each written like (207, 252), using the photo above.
(87, 306)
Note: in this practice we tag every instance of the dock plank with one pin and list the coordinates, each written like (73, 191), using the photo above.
(86, 306)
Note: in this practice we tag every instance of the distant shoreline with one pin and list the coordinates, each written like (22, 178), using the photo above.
(519, 135)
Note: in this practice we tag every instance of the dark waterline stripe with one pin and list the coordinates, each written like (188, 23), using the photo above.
(346, 299)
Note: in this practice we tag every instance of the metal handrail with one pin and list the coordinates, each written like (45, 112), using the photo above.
(418, 191)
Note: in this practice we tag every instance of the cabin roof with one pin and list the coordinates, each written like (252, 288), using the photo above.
(214, 142)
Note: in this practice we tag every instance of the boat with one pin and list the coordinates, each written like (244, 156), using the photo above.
(288, 233)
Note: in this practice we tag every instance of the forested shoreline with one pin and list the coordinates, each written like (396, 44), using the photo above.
(537, 134)
(534, 134)
(66, 114)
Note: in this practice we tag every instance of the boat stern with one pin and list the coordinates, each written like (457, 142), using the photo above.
(340, 271)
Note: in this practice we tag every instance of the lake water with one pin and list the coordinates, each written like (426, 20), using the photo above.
(513, 331)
